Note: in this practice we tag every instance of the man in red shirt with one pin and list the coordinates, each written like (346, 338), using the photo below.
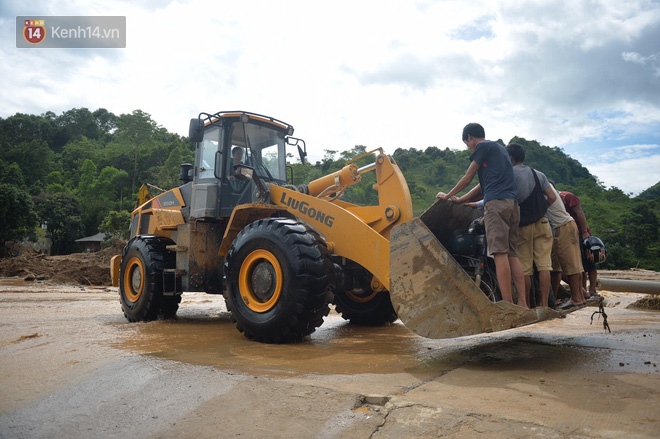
(574, 209)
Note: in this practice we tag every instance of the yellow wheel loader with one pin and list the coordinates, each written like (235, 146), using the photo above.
(280, 254)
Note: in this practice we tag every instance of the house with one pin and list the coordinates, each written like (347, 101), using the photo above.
(92, 243)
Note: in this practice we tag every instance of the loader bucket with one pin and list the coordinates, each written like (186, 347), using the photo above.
(432, 295)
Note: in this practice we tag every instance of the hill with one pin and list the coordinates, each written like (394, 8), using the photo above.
(79, 172)
(652, 193)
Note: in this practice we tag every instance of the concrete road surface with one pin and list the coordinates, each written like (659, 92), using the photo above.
(71, 366)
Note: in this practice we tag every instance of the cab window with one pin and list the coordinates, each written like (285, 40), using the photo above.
(208, 148)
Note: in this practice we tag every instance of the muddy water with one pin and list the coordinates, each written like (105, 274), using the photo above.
(204, 335)
(336, 348)
(340, 348)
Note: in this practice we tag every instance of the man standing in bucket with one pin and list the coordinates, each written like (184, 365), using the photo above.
(535, 234)
(574, 209)
(490, 161)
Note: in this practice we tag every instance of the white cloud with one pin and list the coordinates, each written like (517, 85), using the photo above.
(636, 150)
(652, 60)
(630, 175)
(346, 73)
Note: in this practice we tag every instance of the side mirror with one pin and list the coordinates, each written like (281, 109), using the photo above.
(243, 172)
(302, 154)
(196, 130)
(185, 172)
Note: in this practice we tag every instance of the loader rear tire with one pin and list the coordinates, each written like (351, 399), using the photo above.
(279, 274)
(365, 308)
(141, 279)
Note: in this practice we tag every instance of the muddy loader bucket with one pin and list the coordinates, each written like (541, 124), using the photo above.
(432, 295)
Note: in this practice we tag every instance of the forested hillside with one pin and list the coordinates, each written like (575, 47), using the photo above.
(79, 172)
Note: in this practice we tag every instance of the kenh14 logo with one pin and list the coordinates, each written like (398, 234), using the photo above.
(34, 31)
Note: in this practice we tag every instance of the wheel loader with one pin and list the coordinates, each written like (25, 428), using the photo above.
(280, 254)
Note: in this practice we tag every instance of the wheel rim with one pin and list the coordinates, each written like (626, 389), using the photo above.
(487, 288)
(363, 297)
(260, 281)
(134, 280)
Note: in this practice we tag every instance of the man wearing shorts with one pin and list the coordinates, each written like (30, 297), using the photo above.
(574, 209)
(566, 255)
(490, 161)
(535, 237)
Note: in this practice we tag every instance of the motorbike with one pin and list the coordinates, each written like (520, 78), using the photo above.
(470, 250)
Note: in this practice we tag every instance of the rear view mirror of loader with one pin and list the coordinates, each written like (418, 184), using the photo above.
(243, 172)
(302, 152)
(196, 130)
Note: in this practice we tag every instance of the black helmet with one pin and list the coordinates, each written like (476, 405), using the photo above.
(594, 246)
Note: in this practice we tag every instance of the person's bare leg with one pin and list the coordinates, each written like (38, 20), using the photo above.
(585, 293)
(503, 271)
(574, 281)
(518, 276)
(544, 286)
(528, 285)
(593, 280)
(555, 279)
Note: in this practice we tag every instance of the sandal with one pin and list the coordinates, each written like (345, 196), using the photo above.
(569, 305)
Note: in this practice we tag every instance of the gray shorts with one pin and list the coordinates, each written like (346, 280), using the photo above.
(501, 218)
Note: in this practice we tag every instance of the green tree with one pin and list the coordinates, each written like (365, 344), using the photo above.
(87, 179)
(18, 218)
(641, 228)
(99, 194)
(168, 176)
(116, 223)
(135, 131)
(74, 124)
(34, 157)
(25, 128)
(105, 120)
(61, 213)
(75, 153)
(11, 174)
(55, 182)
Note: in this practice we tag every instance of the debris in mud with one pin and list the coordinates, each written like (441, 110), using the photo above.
(77, 268)
(26, 337)
(646, 303)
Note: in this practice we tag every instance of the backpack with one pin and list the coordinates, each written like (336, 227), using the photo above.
(534, 206)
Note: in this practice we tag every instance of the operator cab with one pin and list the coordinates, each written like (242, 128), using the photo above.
(225, 141)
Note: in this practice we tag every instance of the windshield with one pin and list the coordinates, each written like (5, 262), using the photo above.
(260, 147)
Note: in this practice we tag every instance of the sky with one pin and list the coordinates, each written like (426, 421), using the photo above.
(583, 76)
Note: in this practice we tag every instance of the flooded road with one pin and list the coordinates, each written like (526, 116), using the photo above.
(340, 348)
(74, 367)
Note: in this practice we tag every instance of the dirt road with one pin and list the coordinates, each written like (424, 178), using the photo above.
(72, 367)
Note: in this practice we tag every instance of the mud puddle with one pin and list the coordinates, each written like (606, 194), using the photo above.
(8, 282)
(20, 285)
(335, 348)
(343, 349)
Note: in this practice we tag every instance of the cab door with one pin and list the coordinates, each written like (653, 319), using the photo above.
(208, 160)
(232, 190)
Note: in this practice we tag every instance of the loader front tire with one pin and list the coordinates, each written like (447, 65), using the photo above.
(141, 279)
(279, 274)
(365, 308)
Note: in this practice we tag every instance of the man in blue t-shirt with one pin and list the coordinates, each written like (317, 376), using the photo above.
(497, 186)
